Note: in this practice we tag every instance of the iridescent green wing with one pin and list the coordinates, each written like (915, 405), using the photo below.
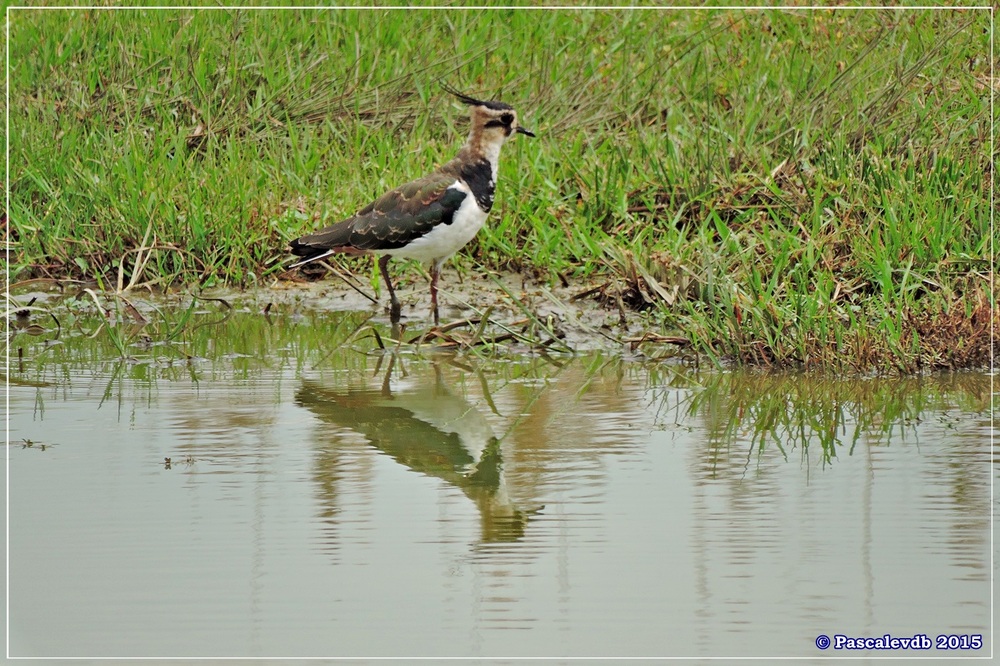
(392, 221)
(406, 213)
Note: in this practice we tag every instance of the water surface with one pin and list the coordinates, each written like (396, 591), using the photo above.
(252, 488)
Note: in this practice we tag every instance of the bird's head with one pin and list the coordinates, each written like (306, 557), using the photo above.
(494, 122)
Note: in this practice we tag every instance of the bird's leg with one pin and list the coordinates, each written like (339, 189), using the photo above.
(435, 272)
(383, 265)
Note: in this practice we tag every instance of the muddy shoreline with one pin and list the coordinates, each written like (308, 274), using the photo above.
(574, 313)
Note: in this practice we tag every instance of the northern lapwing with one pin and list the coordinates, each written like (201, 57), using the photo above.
(431, 218)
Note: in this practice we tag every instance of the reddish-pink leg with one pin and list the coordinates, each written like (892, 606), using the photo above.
(394, 309)
(435, 272)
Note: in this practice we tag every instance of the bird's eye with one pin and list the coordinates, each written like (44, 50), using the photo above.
(507, 118)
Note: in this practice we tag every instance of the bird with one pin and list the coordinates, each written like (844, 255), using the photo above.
(431, 218)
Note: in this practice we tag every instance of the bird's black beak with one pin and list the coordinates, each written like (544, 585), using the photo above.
(521, 130)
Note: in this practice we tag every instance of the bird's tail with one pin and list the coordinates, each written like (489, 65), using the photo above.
(320, 254)
(322, 244)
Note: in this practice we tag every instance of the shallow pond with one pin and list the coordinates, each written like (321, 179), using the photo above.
(242, 485)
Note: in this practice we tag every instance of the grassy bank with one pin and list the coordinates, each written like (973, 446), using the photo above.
(787, 188)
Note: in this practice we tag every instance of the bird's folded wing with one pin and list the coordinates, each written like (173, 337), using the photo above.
(392, 221)
(406, 213)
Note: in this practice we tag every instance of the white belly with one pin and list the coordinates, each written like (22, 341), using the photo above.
(445, 240)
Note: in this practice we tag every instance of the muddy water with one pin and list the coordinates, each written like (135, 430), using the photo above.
(254, 487)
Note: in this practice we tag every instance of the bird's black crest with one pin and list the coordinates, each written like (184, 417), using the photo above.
(472, 101)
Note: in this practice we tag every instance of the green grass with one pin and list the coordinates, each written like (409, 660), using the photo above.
(792, 187)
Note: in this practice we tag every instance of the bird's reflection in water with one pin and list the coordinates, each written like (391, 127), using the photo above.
(432, 430)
